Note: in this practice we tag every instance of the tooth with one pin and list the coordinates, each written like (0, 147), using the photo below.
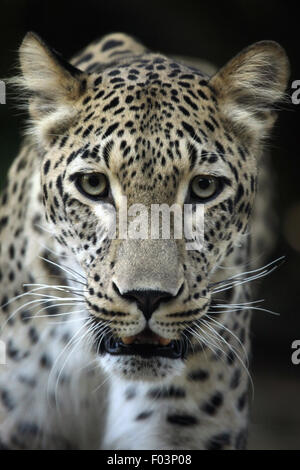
(164, 341)
(128, 339)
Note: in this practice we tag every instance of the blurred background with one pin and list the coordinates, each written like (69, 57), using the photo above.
(215, 33)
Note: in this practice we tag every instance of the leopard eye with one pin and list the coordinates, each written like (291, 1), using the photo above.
(93, 185)
(205, 187)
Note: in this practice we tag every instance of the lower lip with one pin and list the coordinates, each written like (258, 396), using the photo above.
(174, 350)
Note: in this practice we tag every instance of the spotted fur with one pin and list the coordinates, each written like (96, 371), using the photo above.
(150, 123)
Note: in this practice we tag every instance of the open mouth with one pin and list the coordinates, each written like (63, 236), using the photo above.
(146, 344)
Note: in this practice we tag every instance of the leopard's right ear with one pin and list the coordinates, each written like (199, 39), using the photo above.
(52, 84)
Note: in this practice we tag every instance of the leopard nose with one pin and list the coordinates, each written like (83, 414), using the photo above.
(147, 300)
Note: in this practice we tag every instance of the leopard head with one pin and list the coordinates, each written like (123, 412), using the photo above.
(118, 143)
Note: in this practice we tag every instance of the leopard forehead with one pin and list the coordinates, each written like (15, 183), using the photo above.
(150, 97)
(152, 120)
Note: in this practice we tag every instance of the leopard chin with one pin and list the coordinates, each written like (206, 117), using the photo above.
(137, 368)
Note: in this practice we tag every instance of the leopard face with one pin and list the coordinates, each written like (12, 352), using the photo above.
(148, 131)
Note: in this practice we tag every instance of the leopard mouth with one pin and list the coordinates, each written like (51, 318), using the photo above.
(146, 345)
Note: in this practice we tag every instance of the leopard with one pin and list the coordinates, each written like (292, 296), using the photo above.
(115, 340)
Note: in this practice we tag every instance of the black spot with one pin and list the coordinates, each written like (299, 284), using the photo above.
(241, 440)
(3, 303)
(130, 393)
(219, 441)
(3, 222)
(144, 415)
(86, 100)
(99, 94)
(114, 72)
(22, 164)
(191, 131)
(193, 155)
(234, 170)
(239, 193)
(45, 361)
(7, 400)
(241, 403)
(184, 110)
(25, 316)
(111, 44)
(167, 392)
(235, 380)
(58, 185)
(12, 351)
(88, 130)
(213, 404)
(71, 157)
(83, 59)
(188, 100)
(112, 104)
(231, 357)
(110, 130)
(242, 153)
(11, 251)
(46, 167)
(209, 125)
(33, 335)
(198, 375)
(63, 141)
(129, 99)
(202, 94)
(182, 420)
(184, 84)
(98, 81)
(220, 147)
(106, 152)
(213, 158)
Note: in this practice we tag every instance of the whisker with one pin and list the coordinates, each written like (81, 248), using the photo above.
(56, 363)
(243, 281)
(277, 260)
(233, 350)
(56, 287)
(222, 326)
(63, 268)
(241, 304)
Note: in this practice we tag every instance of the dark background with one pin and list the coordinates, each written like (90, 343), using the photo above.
(214, 31)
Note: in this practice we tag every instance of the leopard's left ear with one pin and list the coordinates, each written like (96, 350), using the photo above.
(250, 86)
(52, 85)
